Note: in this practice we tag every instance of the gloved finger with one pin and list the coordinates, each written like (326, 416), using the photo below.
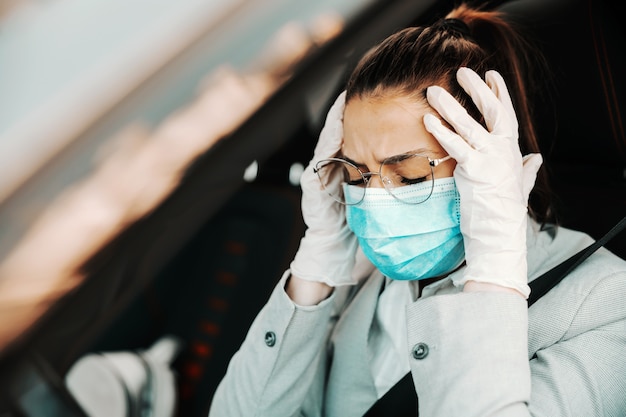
(496, 117)
(328, 143)
(531, 164)
(331, 136)
(455, 114)
(454, 144)
(495, 81)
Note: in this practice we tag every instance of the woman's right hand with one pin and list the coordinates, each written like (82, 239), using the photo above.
(326, 255)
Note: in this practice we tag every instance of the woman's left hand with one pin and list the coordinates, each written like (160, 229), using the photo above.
(492, 179)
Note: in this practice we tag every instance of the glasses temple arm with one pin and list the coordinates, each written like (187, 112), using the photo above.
(435, 162)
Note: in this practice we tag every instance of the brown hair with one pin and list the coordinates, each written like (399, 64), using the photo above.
(412, 59)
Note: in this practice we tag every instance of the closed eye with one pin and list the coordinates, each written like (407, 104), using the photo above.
(356, 181)
(411, 181)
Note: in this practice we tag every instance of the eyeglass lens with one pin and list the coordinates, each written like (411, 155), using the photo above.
(408, 178)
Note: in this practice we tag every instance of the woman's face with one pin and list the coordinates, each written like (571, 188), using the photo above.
(381, 127)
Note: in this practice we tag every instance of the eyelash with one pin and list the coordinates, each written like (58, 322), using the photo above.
(355, 182)
(411, 181)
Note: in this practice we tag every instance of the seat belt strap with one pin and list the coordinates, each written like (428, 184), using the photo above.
(541, 285)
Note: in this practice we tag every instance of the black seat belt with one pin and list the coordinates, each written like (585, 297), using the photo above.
(401, 399)
(541, 285)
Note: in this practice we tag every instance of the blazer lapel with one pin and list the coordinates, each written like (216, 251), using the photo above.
(351, 389)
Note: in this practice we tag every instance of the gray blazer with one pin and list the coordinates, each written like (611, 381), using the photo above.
(471, 354)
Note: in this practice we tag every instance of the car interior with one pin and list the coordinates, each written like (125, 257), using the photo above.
(200, 262)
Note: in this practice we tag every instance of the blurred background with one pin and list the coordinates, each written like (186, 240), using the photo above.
(150, 153)
(91, 84)
(104, 106)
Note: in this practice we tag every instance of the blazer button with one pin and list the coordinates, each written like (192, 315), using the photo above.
(270, 339)
(420, 351)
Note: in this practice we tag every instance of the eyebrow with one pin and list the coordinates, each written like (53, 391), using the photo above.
(394, 158)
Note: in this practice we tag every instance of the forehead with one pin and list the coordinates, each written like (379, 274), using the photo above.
(379, 127)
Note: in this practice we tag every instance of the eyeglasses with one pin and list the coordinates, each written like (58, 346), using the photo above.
(409, 178)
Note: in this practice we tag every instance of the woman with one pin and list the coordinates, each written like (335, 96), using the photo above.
(419, 167)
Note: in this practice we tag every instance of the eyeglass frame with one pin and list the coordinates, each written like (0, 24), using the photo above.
(367, 176)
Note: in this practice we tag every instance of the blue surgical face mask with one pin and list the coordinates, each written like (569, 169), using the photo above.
(409, 241)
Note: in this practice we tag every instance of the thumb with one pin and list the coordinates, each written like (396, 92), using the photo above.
(331, 136)
(531, 164)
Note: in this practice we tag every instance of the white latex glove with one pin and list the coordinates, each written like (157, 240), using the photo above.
(327, 250)
(493, 179)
